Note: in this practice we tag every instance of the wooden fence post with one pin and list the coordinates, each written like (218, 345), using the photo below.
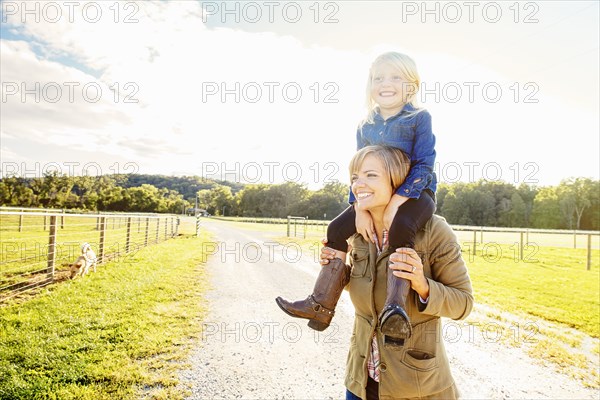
(288, 226)
(102, 239)
(166, 228)
(589, 253)
(128, 238)
(157, 229)
(147, 231)
(52, 247)
(21, 221)
(305, 226)
(574, 239)
(521, 248)
(62, 220)
(474, 242)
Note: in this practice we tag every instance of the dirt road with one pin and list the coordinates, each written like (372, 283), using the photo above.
(252, 350)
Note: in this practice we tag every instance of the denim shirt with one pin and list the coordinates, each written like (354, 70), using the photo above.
(412, 134)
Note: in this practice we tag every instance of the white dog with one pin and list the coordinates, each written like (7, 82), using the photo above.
(87, 259)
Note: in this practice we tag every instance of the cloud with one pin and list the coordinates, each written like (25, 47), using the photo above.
(177, 95)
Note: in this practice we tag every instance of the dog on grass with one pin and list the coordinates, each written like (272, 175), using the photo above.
(84, 262)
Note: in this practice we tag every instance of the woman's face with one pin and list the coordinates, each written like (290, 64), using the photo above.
(371, 185)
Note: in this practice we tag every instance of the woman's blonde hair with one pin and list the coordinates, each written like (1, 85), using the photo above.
(394, 160)
(408, 70)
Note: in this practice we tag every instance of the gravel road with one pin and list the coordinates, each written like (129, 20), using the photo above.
(252, 350)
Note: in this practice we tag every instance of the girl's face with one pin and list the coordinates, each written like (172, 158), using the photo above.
(371, 185)
(388, 89)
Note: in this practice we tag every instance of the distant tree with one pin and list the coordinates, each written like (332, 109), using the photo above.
(527, 194)
(546, 212)
(575, 196)
(222, 200)
(14, 192)
(251, 200)
(517, 211)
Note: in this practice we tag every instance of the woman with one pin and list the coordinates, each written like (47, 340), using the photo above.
(418, 367)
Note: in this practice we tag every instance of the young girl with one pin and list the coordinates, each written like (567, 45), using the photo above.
(394, 119)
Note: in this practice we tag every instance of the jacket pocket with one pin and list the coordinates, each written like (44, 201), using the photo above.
(419, 360)
(360, 260)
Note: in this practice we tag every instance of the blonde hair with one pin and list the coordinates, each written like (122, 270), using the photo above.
(395, 162)
(408, 70)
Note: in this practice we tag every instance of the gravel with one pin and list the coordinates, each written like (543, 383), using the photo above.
(250, 349)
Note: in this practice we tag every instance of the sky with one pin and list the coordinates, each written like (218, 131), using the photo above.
(273, 91)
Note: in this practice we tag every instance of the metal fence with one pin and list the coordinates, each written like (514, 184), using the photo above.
(38, 246)
(523, 242)
(526, 241)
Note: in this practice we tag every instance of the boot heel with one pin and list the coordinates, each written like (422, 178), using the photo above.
(317, 325)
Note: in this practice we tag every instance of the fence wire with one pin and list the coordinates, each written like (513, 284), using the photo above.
(38, 248)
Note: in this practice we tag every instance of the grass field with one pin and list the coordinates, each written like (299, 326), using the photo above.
(24, 254)
(120, 333)
(124, 331)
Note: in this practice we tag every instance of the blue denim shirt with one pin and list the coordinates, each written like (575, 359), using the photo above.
(412, 134)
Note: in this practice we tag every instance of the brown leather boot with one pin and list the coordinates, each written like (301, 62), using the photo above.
(319, 307)
(394, 322)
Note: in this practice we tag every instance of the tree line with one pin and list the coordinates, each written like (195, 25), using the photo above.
(573, 204)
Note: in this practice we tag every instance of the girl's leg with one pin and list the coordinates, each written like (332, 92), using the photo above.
(340, 229)
(319, 307)
(410, 218)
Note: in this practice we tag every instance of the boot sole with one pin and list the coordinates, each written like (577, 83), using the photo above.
(397, 327)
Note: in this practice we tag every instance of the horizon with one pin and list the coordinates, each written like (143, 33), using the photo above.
(227, 182)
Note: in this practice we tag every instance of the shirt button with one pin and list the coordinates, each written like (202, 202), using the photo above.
(405, 190)
(383, 367)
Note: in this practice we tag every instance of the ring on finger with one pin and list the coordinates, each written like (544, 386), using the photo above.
(413, 269)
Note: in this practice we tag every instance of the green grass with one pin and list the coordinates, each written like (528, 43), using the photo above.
(553, 285)
(113, 334)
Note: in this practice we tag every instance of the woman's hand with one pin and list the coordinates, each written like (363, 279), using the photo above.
(327, 253)
(364, 224)
(407, 264)
(391, 209)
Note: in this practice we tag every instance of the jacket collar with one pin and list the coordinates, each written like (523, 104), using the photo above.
(406, 109)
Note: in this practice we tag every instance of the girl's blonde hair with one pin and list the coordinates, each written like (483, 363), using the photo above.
(394, 160)
(408, 70)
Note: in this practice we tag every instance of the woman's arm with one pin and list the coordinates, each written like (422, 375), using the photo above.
(448, 293)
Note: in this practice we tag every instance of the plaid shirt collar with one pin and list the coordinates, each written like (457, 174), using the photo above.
(385, 242)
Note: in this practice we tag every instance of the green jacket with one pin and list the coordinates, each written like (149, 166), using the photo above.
(421, 367)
